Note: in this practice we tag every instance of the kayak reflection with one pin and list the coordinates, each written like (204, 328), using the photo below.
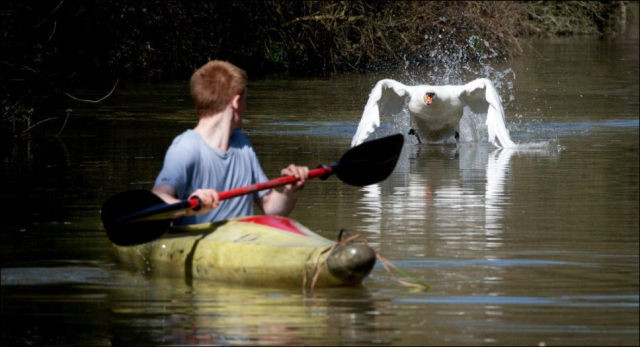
(168, 311)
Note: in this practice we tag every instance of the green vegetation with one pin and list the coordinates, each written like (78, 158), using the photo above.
(51, 49)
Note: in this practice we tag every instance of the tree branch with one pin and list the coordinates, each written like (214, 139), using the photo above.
(94, 101)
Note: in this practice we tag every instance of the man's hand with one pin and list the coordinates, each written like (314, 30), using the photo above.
(300, 172)
(208, 197)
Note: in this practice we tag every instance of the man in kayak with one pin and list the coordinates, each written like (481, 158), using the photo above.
(216, 156)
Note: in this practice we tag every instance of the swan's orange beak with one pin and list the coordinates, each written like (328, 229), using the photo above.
(428, 98)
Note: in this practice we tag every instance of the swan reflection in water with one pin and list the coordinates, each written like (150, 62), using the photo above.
(452, 193)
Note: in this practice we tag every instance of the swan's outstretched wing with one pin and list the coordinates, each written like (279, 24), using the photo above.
(386, 98)
(481, 96)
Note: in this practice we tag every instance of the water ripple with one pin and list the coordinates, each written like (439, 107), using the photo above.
(457, 263)
(623, 300)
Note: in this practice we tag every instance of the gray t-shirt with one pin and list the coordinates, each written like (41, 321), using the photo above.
(190, 164)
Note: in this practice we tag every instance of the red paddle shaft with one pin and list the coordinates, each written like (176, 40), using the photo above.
(322, 171)
(367, 163)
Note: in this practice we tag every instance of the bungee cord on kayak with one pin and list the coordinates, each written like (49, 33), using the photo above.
(408, 281)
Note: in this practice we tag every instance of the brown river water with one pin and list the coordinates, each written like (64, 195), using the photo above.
(530, 247)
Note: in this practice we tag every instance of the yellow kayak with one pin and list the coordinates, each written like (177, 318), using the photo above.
(254, 250)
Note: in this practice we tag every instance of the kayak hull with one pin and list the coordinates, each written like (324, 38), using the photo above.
(255, 250)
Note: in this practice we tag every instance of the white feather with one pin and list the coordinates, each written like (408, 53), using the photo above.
(496, 127)
(386, 98)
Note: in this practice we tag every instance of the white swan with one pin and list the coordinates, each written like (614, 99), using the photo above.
(435, 110)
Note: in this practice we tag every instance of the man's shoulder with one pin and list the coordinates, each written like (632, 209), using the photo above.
(185, 146)
(188, 138)
(239, 140)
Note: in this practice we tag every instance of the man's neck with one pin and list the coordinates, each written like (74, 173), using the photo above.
(216, 130)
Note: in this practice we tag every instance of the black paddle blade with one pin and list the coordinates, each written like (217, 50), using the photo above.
(371, 161)
(132, 233)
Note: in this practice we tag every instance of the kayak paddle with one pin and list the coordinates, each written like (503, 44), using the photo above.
(139, 216)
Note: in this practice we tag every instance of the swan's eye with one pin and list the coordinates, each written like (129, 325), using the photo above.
(428, 98)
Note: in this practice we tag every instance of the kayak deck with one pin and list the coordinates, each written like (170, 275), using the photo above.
(253, 250)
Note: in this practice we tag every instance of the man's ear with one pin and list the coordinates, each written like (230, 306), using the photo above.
(235, 102)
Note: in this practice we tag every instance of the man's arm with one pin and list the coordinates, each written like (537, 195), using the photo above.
(208, 197)
(278, 203)
(282, 203)
(165, 192)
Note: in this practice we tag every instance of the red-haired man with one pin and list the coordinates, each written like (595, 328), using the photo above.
(217, 156)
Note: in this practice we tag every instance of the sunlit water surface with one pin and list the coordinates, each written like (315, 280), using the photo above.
(525, 247)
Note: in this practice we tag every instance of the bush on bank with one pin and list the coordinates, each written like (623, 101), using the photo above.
(53, 48)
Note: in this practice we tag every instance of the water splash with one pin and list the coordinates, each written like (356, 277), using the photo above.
(460, 64)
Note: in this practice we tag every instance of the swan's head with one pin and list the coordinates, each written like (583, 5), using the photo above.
(428, 97)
